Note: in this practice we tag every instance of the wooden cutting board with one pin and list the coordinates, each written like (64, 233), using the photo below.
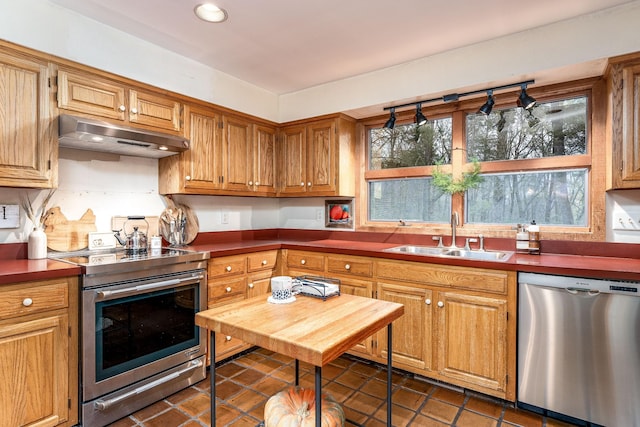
(68, 235)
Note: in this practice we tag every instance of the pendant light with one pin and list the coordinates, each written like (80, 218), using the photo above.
(524, 100)
(420, 118)
(392, 119)
(487, 106)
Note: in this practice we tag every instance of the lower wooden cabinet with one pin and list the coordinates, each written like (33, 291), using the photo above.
(38, 353)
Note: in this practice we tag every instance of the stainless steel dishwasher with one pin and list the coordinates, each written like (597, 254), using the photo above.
(579, 347)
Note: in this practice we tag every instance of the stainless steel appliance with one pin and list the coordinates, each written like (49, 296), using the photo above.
(139, 338)
(579, 347)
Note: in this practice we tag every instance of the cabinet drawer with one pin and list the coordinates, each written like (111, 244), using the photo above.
(451, 276)
(262, 260)
(306, 260)
(227, 266)
(221, 291)
(19, 300)
(350, 265)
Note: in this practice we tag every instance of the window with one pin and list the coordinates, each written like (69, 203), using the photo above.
(536, 165)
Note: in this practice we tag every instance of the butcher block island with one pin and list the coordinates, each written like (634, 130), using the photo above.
(310, 329)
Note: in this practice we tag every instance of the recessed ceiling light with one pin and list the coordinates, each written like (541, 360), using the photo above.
(210, 13)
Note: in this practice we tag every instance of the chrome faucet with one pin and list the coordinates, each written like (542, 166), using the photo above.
(454, 223)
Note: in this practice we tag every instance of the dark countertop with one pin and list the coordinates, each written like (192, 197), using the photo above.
(614, 267)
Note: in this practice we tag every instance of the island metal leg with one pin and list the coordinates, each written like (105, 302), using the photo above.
(389, 351)
(212, 372)
(318, 396)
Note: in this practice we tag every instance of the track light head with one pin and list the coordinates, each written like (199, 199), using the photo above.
(420, 118)
(525, 101)
(392, 119)
(487, 106)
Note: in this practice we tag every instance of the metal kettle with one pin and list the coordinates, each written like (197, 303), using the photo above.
(136, 241)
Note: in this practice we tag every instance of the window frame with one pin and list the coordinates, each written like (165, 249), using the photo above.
(594, 161)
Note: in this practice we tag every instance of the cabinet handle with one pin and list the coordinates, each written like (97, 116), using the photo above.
(122, 108)
(188, 177)
(347, 267)
(440, 304)
(250, 285)
(264, 262)
(228, 338)
(228, 289)
(27, 302)
(303, 261)
(134, 111)
(427, 301)
(228, 268)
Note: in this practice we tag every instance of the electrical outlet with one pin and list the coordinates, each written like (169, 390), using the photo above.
(319, 214)
(224, 217)
(9, 216)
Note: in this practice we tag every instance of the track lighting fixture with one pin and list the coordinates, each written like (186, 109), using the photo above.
(487, 106)
(524, 100)
(420, 118)
(392, 120)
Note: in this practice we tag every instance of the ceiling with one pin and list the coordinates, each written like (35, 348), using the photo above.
(285, 46)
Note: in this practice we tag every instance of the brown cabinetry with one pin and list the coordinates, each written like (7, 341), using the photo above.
(314, 155)
(28, 133)
(38, 353)
(92, 95)
(624, 87)
(233, 278)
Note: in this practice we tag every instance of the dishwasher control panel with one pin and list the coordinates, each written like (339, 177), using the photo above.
(582, 284)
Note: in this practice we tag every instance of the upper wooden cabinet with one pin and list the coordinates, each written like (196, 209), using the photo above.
(317, 158)
(28, 133)
(624, 88)
(92, 95)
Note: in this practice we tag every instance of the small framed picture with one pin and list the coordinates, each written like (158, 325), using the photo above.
(338, 213)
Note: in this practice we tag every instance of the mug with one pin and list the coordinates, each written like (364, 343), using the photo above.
(281, 287)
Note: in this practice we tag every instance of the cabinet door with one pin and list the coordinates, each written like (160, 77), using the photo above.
(264, 160)
(359, 288)
(238, 173)
(321, 157)
(28, 133)
(201, 161)
(155, 110)
(630, 168)
(258, 284)
(412, 340)
(35, 370)
(293, 160)
(89, 94)
(471, 333)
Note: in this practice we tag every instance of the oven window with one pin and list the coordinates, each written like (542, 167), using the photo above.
(140, 329)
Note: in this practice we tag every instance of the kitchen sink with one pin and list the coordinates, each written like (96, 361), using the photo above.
(453, 253)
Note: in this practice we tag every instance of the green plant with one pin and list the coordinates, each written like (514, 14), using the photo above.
(446, 183)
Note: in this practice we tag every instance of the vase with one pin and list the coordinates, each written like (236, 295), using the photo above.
(37, 246)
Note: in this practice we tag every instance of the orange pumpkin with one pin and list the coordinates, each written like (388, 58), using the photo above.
(296, 407)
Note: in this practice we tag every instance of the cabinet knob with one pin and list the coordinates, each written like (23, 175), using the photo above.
(440, 304)
(309, 184)
(427, 301)
(250, 285)
(228, 268)
(250, 183)
(122, 108)
(134, 111)
(228, 338)
(303, 261)
(302, 184)
(257, 183)
(188, 177)
(27, 302)
(264, 262)
(228, 289)
(347, 267)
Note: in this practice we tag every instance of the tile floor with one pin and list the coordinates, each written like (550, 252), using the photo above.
(244, 384)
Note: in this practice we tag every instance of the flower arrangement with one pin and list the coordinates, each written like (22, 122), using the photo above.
(447, 184)
(37, 214)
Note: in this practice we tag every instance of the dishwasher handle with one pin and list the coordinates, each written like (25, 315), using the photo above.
(583, 292)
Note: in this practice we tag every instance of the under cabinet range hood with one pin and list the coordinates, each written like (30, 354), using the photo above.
(95, 135)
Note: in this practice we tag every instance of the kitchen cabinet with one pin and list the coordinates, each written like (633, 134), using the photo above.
(317, 158)
(104, 98)
(38, 353)
(28, 133)
(624, 87)
(236, 277)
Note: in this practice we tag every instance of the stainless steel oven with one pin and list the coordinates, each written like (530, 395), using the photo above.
(139, 341)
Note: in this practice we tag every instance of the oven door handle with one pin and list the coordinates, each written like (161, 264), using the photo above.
(106, 294)
(103, 405)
